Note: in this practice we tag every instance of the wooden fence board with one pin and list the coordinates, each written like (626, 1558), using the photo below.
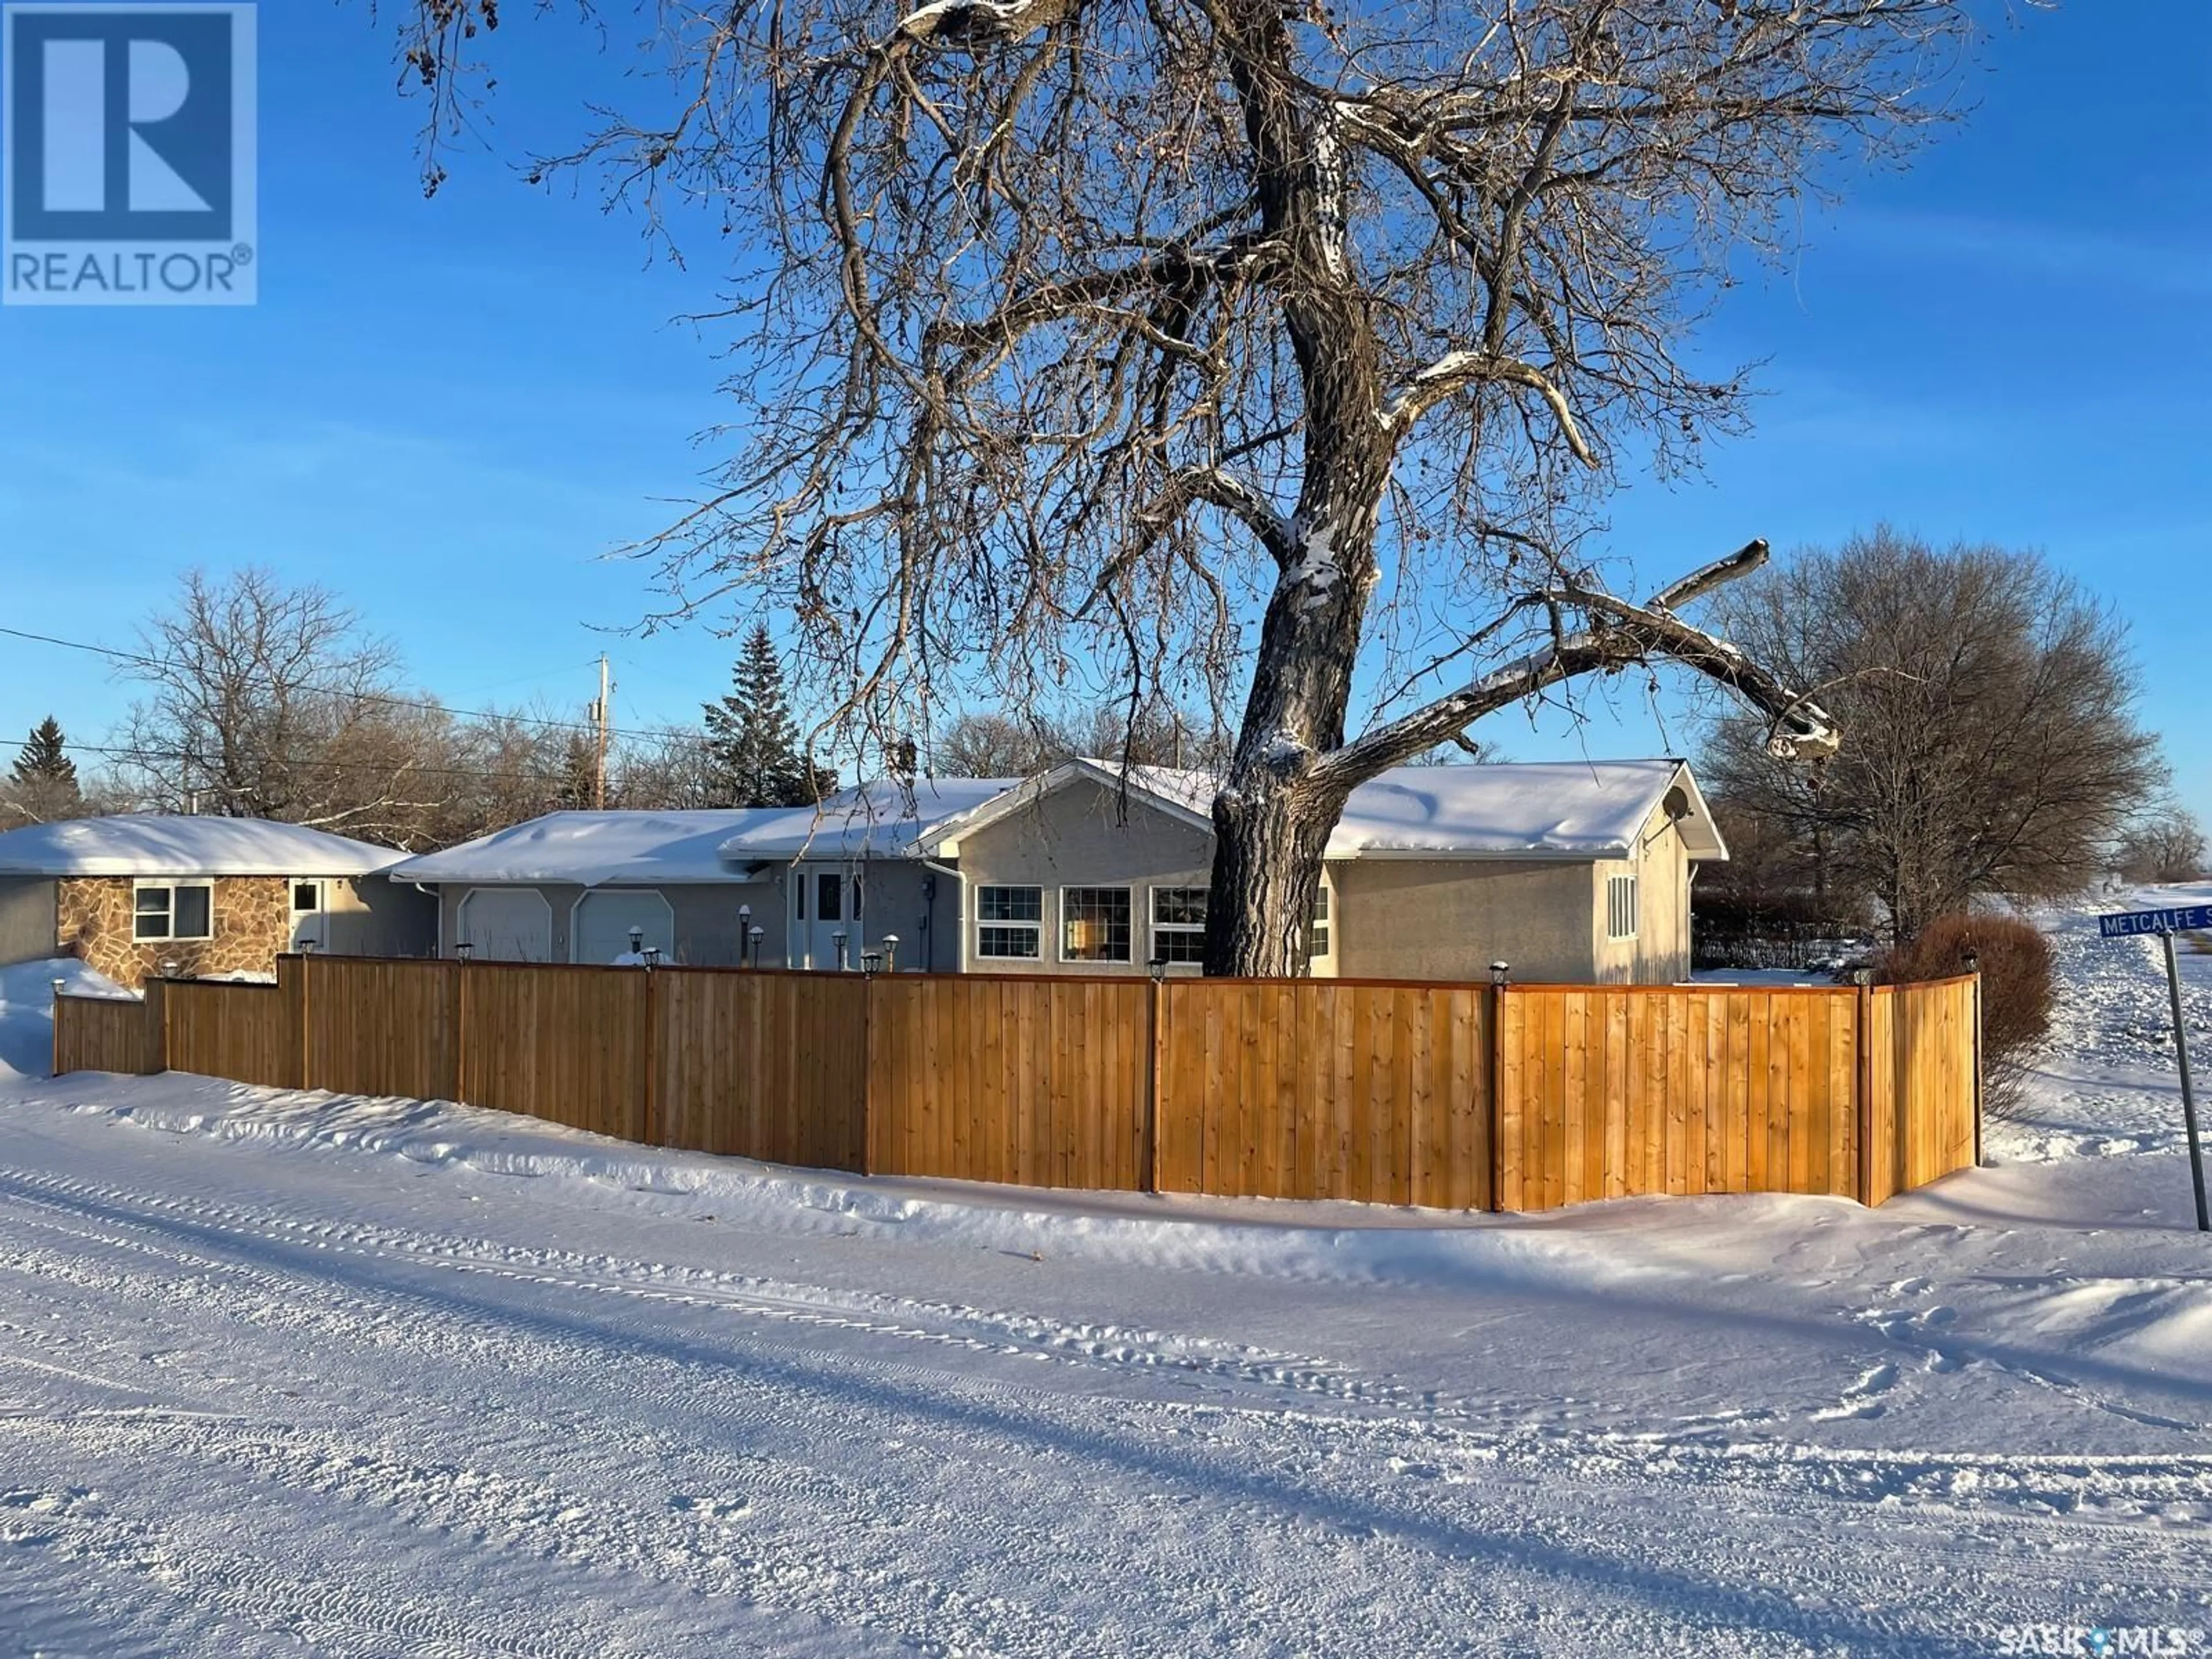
(375, 1027)
(234, 1032)
(1433, 1094)
(105, 1034)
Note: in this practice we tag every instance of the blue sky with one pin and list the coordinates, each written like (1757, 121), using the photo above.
(451, 411)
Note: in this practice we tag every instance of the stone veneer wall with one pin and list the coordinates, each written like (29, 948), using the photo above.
(253, 921)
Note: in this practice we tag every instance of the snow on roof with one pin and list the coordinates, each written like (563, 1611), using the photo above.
(150, 844)
(1560, 809)
(1579, 809)
(882, 818)
(595, 849)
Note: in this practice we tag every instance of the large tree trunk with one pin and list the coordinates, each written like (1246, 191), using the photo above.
(1273, 818)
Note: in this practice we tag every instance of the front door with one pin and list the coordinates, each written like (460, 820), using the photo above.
(826, 901)
(310, 921)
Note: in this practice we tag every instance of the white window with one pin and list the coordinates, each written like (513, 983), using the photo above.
(307, 896)
(1008, 920)
(1179, 924)
(170, 910)
(1317, 926)
(1094, 923)
(1620, 907)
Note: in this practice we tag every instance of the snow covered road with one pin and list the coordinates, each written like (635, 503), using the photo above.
(297, 1374)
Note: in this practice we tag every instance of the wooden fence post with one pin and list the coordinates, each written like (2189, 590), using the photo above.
(461, 1032)
(306, 1026)
(1153, 1005)
(866, 1159)
(1976, 964)
(54, 1066)
(648, 1115)
(1498, 993)
(1863, 1084)
(155, 1057)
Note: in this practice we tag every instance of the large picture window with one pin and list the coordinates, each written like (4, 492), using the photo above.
(1008, 920)
(1620, 907)
(173, 910)
(1179, 924)
(1094, 923)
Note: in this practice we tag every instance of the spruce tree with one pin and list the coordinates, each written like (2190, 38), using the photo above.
(43, 762)
(753, 744)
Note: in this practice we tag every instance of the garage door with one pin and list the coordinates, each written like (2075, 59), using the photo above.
(603, 920)
(507, 924)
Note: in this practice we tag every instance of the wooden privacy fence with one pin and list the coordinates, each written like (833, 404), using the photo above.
(1518, 1098)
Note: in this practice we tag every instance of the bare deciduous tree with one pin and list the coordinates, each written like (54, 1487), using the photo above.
(265, 700)
(1152, 332)
(1994, 747)
(2167, 845)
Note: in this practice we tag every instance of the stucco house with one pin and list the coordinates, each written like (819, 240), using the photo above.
(134, 893)
(1572, 871)
(572, 886)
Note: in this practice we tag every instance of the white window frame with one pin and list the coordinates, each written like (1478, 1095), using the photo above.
(169, 935)
(1622, 905)
(1034, 929)
(1122, 888)
(1321, 914)
(1180, 929)
(293, 886)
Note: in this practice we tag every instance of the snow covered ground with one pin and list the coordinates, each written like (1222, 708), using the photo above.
(286, 1374)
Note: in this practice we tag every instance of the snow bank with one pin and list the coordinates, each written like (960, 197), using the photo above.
(26, 1009)
(1309, 1241)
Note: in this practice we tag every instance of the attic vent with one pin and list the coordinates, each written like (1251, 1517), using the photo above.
(1676, 805)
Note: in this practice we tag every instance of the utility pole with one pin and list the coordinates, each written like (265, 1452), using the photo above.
(599, 715)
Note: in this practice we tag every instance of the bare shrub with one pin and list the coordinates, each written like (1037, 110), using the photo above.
(2018, 989)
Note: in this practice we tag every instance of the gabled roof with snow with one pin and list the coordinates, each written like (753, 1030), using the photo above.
(595, 849)
(886, 818)
(1559, 809)
(150, 844)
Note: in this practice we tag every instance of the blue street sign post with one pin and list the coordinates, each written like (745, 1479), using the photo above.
(2186, 919)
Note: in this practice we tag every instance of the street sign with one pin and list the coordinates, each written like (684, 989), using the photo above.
(2127, 924)
(2188, 919)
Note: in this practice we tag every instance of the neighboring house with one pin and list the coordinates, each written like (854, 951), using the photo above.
(1575, 873)
(133, 895)
(571, 886)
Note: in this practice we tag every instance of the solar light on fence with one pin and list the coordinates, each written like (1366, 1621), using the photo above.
(58, 984)
(306, 945)
(1158, 968)
(1862, 976)
(652, 954)
(463, 949)
(891, 953)
(169, 965)
(1973, 960)
(1497, 972)
(872, 963)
